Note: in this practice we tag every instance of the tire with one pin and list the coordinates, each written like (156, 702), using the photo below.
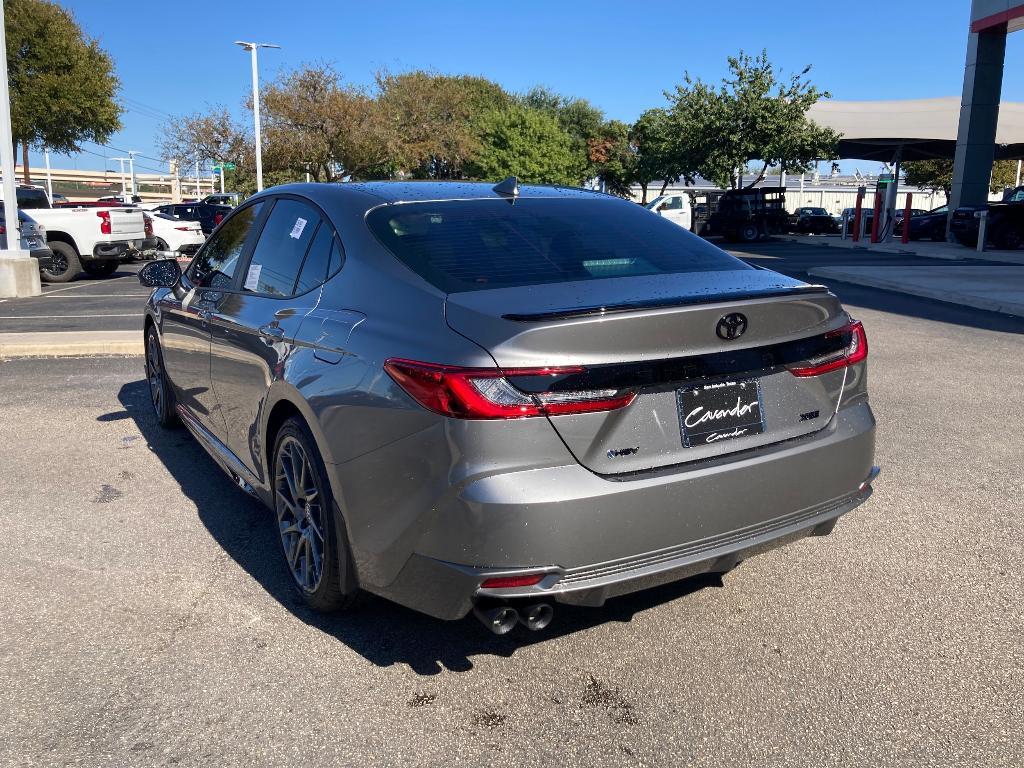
(307, 521)
(161, 396)
(161, 245)
(65, 265)
(100, 268)
(748, 233)
(967, 241)
(1008, 237)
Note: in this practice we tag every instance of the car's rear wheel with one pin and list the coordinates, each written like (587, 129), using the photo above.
(749, 233)
(317, 557)
(160, 393)
(65, 266)
(100, 268)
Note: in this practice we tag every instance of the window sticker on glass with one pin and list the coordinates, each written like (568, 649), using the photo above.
(252, 277)
(300, 224)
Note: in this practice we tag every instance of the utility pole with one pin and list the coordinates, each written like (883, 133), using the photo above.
(222, 178)
(131, 166)
(19, 273)
(252, 47)
(199, 194)
(1018, 174)
(124, 190)
(49, 179)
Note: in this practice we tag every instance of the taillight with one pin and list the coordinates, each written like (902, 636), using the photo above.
(104, 222)
(183, 229)
(486, 393)
(217, 219)
(855, 352)
(3, 229)
(149, 225)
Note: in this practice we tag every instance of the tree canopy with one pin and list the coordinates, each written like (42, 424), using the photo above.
(937, 175)
(63, 87)
(751, 115)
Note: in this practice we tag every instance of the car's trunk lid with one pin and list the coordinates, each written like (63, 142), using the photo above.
(658, 336)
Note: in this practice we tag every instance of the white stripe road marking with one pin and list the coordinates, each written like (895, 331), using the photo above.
(87, 285)
(107, 296)
(60, 317)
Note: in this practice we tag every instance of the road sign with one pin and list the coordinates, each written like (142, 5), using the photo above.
(224, 167)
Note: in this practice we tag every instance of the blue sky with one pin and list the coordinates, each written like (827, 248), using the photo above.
(178, 57)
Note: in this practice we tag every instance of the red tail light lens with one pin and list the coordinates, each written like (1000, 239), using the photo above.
(504, 582)
(104, 217)
(217, 219)
(854, 353)
(3, 229)
(149, 225)
(486, 393)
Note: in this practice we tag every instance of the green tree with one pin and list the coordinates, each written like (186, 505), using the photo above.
(436, 119)
(582, 121)
(751, 115)
(526, 143)
(62, 83)
(937, 175)
(317, 124)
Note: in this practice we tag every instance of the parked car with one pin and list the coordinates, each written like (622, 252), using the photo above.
(208, 216)
(120, 199)
(223, 198)
(746, 215)
(675, 208)
(461, 404)
(171, 234)
(1005, 227)
(89, 239)
(812, 220)
(926, 225)
(33, 238)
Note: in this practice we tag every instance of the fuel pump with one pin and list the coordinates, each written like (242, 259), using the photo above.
(885, 207)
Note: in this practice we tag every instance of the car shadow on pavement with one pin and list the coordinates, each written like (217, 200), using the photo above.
(382, 632)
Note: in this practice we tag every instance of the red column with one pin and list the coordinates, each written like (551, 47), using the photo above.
(856, 218)
(877, 216)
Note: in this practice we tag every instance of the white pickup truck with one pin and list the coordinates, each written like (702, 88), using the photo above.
(89, 239)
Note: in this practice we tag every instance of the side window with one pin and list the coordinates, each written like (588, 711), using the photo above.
(314, 268)
(279, 252)
(673, 204)
(336, 258)
(215, 265)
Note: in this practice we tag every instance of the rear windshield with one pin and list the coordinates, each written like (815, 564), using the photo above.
(471, 245)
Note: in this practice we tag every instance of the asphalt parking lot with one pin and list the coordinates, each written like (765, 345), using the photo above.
(88, 304)
(148, 619)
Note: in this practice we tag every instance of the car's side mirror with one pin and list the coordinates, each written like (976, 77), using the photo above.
(163, 273)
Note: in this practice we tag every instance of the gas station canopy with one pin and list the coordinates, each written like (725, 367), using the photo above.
(925, 129)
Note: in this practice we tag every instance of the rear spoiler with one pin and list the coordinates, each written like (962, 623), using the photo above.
(682, 301)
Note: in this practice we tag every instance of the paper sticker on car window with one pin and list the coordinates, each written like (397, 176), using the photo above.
(252, 277)
(300, 224)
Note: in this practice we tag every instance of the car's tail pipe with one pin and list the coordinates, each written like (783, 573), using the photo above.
(500, 619)
(536, 616)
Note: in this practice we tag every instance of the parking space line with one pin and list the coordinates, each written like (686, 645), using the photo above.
(87, 285)
(61, 317)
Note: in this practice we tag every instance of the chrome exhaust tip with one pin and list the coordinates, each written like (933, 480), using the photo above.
(500, 619)
(875, 471)
(537, 616)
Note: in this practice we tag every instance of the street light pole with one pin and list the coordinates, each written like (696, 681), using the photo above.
(252, 48)
(19, 273)
(131, 171)
(49, 177)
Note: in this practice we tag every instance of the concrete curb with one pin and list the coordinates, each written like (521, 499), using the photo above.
(875, 280)
(70, 344)
(919, 248)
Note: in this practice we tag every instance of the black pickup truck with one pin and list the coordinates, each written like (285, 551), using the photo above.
(746, 215)
(1005, 228)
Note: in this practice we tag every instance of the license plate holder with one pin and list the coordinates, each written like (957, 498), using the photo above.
(719, 411)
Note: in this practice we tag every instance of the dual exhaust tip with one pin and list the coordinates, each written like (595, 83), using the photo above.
(502, 619)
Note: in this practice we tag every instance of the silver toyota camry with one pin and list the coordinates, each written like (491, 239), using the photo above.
(466, 397)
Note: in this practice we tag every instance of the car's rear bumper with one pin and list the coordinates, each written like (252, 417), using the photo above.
(44, 256)
(595, 537)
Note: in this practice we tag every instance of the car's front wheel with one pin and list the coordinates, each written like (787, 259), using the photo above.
(160, 394)
(317, 557)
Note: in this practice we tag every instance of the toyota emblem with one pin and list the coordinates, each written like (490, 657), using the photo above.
(732, 326)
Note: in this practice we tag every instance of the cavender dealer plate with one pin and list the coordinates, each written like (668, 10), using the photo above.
(725, 410)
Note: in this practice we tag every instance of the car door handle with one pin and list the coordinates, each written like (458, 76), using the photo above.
(272, 332)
